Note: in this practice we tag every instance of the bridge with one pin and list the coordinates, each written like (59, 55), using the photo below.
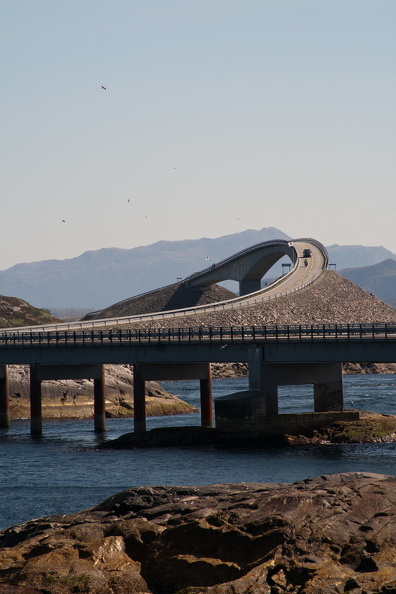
(241, 267)
(276, 355)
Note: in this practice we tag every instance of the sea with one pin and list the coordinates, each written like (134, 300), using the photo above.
(63, 471)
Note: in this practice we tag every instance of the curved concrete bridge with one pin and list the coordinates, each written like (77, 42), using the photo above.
(246, 267)
(249, 266)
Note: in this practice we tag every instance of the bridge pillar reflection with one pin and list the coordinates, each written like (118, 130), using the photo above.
(4, 398)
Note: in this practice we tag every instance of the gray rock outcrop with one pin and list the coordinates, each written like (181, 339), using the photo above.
(326, 535)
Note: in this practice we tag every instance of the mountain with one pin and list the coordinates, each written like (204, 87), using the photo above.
(354, 256)
(379, 279)
(97, 279)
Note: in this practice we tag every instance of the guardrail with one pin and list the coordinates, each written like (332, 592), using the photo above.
(219, 335)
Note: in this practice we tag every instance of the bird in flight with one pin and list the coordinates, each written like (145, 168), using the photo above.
(63, 221)
(104, 88)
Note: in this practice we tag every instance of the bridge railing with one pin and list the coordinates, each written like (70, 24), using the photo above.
(223, 336)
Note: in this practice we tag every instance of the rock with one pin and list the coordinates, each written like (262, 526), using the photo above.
(366, 427)
(330, 534)
(64, 399)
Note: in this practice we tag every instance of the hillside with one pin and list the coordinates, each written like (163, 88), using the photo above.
(174, 296)
(379, 279)
(17, 312)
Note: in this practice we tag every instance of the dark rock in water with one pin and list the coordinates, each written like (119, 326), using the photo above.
(330, 534)
(368, 427)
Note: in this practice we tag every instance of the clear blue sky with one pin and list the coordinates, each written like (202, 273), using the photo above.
(219, 116)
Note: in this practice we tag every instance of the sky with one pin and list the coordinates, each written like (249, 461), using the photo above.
(217, 116)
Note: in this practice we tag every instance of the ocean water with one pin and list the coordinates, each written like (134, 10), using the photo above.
(64, 472)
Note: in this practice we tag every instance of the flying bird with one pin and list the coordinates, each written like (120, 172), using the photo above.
(104, 88)
(63, 221)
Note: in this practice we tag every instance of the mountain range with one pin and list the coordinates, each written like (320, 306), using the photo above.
(97, 279)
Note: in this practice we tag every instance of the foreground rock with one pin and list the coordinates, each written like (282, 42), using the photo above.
(332, 534)
(73, 399)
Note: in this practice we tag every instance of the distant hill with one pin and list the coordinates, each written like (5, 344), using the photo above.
(17, 312)
(378, 279)
(354, 256)
(97, 279)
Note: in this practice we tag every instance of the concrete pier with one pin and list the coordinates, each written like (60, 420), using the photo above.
(256, 411)
(143, 372)
(4, 398)
(38, 373)
(266, 377)
(139, 399)
(206, 399)
(36, 419)
(99, 401)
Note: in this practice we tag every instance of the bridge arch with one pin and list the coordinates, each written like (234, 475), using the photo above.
(246, 267)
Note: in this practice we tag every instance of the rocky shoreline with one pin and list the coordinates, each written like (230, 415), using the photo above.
(73, 399)
(323, 535)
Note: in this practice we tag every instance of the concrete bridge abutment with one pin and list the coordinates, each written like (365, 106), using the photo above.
(256, 411)
(265, 377)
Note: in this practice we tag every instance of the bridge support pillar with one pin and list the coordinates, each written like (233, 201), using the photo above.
(249, 286)
(4, 398)
(36, 420)
(139, 399)
(206, 399)
(328, 395)
(99, 402)
(262, 379)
